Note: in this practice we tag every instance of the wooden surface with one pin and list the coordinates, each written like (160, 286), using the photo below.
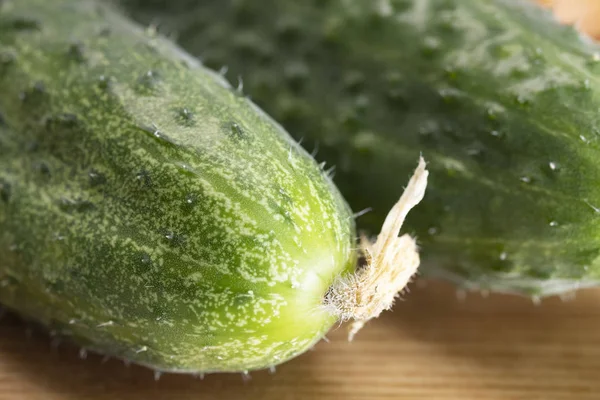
(432, 346)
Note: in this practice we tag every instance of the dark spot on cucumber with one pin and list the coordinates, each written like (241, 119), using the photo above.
(33, 146)
(242, 299)
(464, 137)
(402, 6)
(190, 201)
(501, 51)
(552, 169)
(24, 24)
(492, 113)
(186, 169)
(62, 121)
(361, 103)
(151, 47)
(75, 271)
(350, 121)
(393, 78)
(398, 97)
(296, 75)
(375, 20)
(104, 82)
(433, 230)
(586, 85)
(364, 143)
(55, 286)
(353, 81)
(244, 13)
(7, 58)
(501, 263)
(96, 178)
(63, 129)
(535, 55)
(521, 101)
(282, 211)
(450, 98)
(148, 84)
(526, 179)
(539, 273)
(476, 151)
(43, 169)
(520, 71)
(288, 30)
(497, 134)
(431, 47)
(144, 178)
(447, 25)
(5, 191)
(452, 73)
(34, 95)
(173, 239)
(145, 259)
(186, 64)
(594, 64)
(285, 196)
(236, 132)
(76, 52)
(397, 93)
(104, 32)
(142, 262)
(75, 205)
(185, 117)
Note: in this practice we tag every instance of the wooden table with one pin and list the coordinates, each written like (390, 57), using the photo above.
(432, 346)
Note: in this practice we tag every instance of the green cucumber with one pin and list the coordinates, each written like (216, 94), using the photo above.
(150, 211)
(498, 97)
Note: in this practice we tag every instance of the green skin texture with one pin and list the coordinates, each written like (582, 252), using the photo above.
(500, 99)
(157, 217)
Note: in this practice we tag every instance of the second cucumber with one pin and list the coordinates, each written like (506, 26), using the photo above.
(499, 97)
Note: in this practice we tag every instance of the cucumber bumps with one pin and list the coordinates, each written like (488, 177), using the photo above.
(501, 100)
(148, 209)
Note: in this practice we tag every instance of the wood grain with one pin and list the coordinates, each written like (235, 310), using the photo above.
(433, 346)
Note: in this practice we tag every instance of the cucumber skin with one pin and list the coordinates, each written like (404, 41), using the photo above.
(500, 100)
(188, 241)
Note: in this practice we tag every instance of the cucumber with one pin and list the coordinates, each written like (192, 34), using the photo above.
(501, 100)
(150, 211)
